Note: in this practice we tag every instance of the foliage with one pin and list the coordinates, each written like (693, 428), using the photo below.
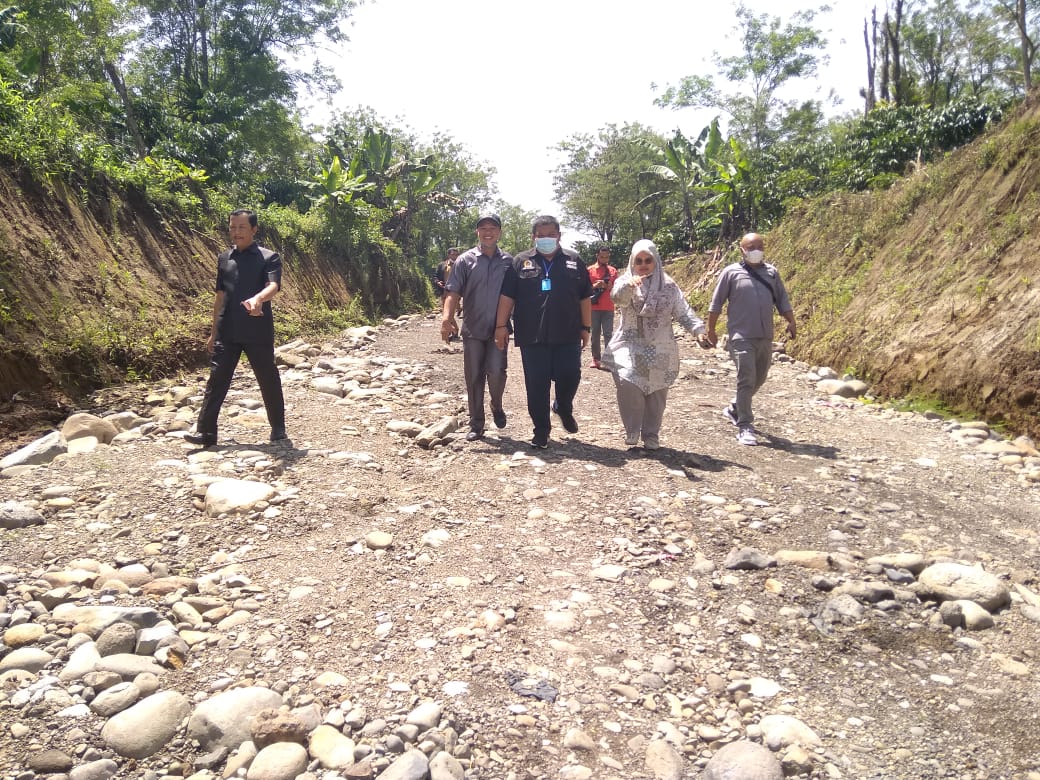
(600, 187)
(771, 55)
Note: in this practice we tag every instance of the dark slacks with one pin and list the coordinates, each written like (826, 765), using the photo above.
(544, 364)
(482, 362)
(222, 369)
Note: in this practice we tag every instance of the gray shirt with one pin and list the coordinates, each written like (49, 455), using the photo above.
(478, 279)
(750, 312)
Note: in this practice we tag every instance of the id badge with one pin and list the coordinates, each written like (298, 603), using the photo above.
(546, 284)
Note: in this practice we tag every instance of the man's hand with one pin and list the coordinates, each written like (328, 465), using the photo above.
(585, 336)
(449, 328)
(253, 306)
(792, 329)
(501, 337)
(704, 342)
(211, 344)
(710, 336)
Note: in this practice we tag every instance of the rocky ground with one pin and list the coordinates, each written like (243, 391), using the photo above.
(853, 598)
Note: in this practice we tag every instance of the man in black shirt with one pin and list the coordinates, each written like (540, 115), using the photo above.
(248, 277)
(548, 291)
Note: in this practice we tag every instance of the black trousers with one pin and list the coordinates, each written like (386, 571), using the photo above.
(222, 369)
(543, 365)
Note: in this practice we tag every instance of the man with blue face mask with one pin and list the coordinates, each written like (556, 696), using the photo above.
(548, 292)
(750, 289)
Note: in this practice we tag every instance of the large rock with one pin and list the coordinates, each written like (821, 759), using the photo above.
(17, 515)
(439, 430)
(331, 748)
(82, 425)
(413, 765)
(148, 726)
(43, 450)
(280, 761)
(94, 620)
(236, 495)
(743, 761)
(226, 720)
(953, 581)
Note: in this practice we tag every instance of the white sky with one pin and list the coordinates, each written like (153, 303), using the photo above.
(511, 79)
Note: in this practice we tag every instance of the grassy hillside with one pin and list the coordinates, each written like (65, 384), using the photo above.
(929, 290)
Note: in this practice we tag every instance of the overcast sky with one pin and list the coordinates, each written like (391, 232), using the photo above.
(511, 79)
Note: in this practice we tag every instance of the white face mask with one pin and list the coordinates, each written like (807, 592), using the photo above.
(755, 256)
(545, 245)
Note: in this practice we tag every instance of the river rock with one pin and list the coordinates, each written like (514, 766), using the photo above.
(17, 515)
(280, 761)
(43, 450)
(331, 748)
(148, 726)
(227, 718)
(236, 495)
(743, 760)
(952, 581)
(84, 425)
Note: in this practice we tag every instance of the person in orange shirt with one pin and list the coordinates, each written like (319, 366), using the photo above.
(603, 275)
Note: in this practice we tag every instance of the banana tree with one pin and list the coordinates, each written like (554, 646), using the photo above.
(335, 186)
(681, 170)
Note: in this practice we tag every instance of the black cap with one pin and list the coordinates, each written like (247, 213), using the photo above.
(489, 215)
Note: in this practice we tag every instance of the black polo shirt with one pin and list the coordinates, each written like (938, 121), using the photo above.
(241, 274)
(550, 316)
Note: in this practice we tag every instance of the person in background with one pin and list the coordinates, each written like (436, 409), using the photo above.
(442, 274)
(750, 289)
(547, 291)
(248, 277)
(477, 276)
(602, 274)
(643, 355)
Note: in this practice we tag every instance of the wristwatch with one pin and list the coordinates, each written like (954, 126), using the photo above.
(587, 328)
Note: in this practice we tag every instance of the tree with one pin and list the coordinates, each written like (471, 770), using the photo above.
(1022, 16)
(599, 186)
(772, 55)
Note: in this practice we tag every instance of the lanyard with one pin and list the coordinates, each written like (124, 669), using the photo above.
(547, 268)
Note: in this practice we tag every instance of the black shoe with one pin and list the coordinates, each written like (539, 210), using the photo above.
(540, 441)
(474, 435)
(279, 434)
(569, 423)
(500, 417)
(201, 439)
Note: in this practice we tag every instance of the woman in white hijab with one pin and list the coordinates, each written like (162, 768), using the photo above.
(642, 354)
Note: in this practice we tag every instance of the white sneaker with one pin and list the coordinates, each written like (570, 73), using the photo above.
(631, 441)
(730, 414)
(746, 436)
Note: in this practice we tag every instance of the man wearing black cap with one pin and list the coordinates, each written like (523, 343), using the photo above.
(477, 277)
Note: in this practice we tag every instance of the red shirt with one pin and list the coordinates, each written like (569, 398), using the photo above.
(610, 274)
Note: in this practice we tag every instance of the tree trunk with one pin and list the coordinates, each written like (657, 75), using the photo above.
(1027, 45)
(128, 109)
(892, 33)
(886, 69)
(870, 42)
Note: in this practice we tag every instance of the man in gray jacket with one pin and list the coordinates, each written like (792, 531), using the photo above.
(477, 277)
(751, 288)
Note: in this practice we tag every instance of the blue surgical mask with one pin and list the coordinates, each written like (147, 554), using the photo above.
(545, 245)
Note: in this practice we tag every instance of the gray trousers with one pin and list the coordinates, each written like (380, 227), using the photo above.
(482, 362)
(602, 328)
(641, 413)
(753, 358)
